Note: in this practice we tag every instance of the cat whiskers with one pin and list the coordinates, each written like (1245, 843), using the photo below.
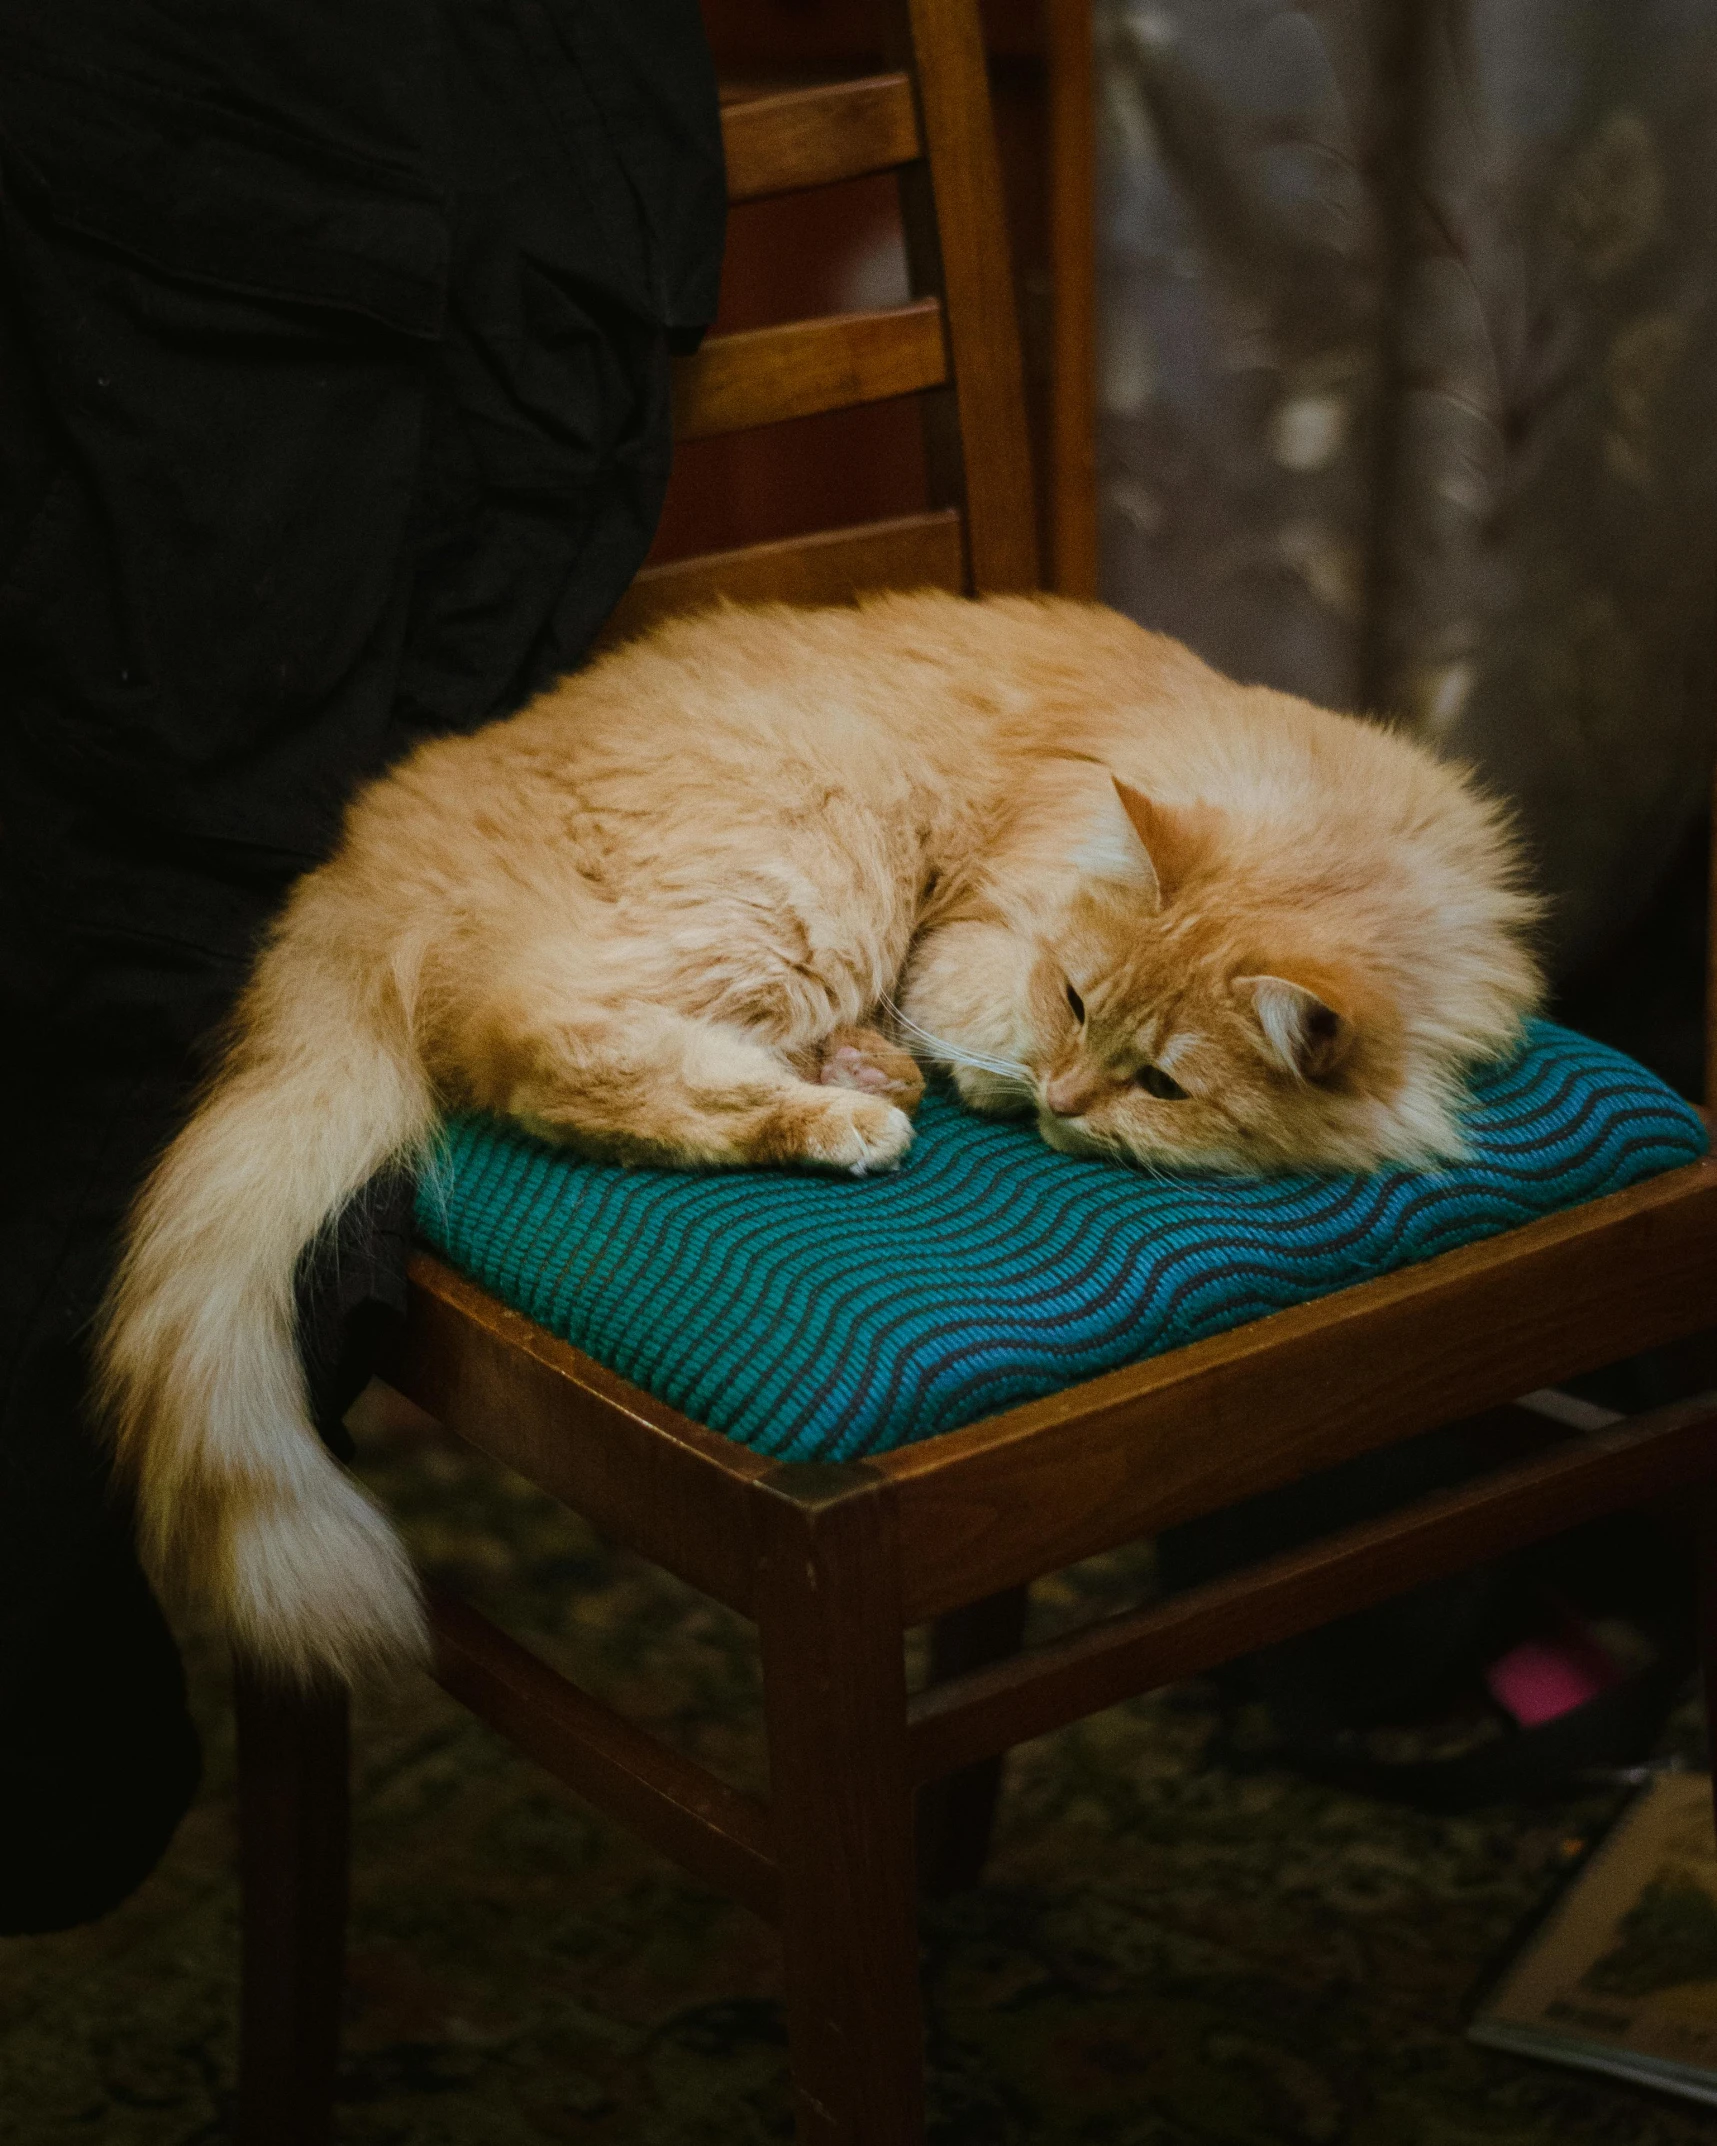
(957, 1054)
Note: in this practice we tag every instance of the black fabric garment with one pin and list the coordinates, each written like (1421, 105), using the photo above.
(333, 414)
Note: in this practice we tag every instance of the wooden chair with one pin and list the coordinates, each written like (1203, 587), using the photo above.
(834, 1563)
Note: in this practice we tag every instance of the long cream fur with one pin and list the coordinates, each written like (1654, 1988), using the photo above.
(665, 914)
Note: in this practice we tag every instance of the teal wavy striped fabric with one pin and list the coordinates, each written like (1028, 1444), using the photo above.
(820, 1318)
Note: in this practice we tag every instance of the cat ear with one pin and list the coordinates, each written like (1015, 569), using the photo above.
(1112, 850)
(1303, 1033)
(1144, 844)
(1173, 837)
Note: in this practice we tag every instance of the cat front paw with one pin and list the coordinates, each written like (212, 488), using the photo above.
(860, 1059)
(857, 1132)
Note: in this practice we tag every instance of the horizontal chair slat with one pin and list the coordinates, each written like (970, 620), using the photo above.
(830, 566)
(977, 1715)
(763, 376)
(707, 1827)
(1201, 1427)
(814, 137)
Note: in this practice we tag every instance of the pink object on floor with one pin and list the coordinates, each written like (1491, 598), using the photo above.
(1542, 1678)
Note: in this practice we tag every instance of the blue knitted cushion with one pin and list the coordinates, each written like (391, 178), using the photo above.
(823, 1318)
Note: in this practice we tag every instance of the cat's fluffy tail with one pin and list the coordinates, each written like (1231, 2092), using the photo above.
(238, 1501)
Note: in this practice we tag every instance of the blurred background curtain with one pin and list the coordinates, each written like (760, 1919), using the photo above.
(1407, 387)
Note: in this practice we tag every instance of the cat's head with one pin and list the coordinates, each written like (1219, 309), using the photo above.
(1190, 1004)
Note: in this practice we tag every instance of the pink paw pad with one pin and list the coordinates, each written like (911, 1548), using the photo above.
(848, 1067)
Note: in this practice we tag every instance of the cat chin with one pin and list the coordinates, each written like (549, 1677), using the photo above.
(993, 1095)
(1068, 1137)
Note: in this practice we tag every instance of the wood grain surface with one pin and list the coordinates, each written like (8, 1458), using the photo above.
(834, 1692)
(830, 566)
(294, 1826)
(957, 241)
(763, 376)
(815, 137)
(997, 1705)
(630, 1464)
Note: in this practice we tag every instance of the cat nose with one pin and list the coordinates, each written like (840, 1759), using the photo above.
(1068, 1094)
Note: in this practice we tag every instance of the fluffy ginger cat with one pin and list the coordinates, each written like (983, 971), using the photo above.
(685, 908)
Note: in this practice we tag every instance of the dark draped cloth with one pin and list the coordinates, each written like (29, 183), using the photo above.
(334, 354)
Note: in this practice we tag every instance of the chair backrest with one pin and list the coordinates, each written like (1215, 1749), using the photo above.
(955, 345)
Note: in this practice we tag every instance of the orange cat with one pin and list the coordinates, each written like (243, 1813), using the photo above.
(667, 912)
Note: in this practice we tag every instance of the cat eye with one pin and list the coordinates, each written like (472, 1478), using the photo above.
(1077, 1003)
(1155, 1081)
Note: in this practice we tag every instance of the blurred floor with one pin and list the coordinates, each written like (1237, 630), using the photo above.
(1167, 1953)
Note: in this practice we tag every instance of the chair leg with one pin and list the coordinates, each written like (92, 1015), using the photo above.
(834, 1690)
(1706, 1550)
(957, 1815)
(293, 1765)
